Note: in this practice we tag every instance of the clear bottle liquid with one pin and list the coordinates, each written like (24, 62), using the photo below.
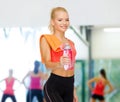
(67, 52)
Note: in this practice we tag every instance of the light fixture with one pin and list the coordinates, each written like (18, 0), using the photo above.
(111, 29)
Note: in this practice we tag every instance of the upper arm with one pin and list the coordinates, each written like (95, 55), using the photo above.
(45, 50)
(110, 85)
(92, 80)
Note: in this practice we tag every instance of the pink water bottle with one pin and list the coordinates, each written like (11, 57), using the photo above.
(67, 52)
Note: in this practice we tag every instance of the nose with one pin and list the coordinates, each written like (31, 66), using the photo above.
(64, 22)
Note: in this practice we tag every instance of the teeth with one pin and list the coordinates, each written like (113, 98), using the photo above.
(64, 27)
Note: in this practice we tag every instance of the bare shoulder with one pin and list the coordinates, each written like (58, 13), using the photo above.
(94, 79)
(43, 42)
(42, 39)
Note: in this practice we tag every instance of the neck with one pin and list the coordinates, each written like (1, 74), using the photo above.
(60, 35)
(10, 76)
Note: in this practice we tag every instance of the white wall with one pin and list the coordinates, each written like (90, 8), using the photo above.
(105, 45)
(36, 12)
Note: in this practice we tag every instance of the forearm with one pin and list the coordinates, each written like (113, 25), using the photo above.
(75, 95)
(89, 85)
(53, 65)
(110, 88)
(75, 92)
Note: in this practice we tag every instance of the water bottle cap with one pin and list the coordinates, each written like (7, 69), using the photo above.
(67, 46)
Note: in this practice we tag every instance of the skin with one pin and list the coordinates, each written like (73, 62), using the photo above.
(106, 83)
(60, 24)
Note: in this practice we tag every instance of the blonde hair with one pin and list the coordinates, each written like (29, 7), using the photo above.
(52, 16)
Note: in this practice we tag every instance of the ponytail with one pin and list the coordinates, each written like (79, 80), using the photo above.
(103, 73)
(36, 67)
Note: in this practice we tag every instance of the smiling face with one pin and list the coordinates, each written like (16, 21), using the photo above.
(60, 22)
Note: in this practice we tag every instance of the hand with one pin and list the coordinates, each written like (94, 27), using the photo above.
(65, 60)
(75, 99)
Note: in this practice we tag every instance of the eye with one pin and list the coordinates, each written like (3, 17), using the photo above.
(67, 19)
(59, 19)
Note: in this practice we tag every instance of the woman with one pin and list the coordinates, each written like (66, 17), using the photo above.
(9, 91)
(99, 90)
(60, 85)
(35, 87)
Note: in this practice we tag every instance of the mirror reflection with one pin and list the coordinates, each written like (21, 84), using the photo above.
(96, 49)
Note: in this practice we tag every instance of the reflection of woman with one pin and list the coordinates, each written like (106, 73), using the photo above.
(59, 87)
(99, 90)
(9, 91)
(35, 87)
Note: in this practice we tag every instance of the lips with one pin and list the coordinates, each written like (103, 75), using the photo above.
(64, 27)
